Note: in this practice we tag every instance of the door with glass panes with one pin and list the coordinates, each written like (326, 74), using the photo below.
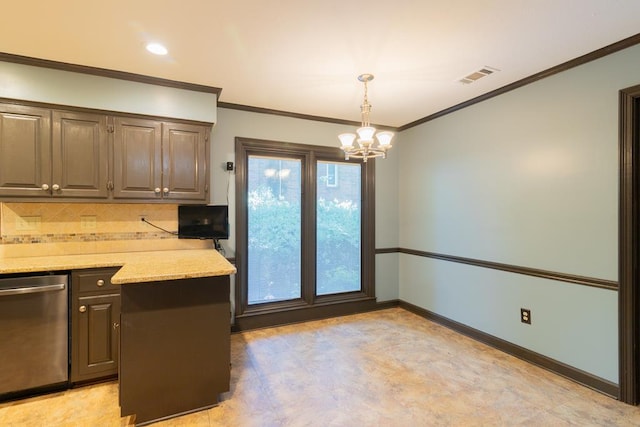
(304, 228)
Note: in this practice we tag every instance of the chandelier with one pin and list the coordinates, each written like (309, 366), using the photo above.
(365, 146)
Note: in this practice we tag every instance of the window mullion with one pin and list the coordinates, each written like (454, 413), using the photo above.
(309, 229)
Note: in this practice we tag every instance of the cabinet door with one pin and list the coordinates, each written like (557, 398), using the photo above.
(98, 318)
(137, 153)
(80, 155)
(25, 151)
(184, 157)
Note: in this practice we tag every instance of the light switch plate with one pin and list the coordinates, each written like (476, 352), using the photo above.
(28, 222)
(88, 222)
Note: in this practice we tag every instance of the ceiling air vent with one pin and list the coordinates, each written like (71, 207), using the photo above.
(477, 75)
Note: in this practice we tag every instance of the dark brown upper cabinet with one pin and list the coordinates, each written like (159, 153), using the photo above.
(184, 161)
(52, 154)
(80, 155)
(84, 154)
(160, 160)
(25, 151)
(137, 153)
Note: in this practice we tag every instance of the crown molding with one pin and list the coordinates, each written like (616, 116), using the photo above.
(103, 72)
(592, 56)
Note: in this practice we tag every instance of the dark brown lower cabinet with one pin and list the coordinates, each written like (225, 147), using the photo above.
(95, 325)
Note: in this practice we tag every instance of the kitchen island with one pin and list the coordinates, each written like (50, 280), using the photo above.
(175, 335)
(174, 325)
(174, 346)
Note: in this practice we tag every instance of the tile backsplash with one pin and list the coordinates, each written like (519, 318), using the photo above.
(35, 229)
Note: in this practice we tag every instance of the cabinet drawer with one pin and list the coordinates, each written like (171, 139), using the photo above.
(95, 281)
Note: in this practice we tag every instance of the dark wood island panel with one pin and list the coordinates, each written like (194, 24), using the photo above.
(174, 346)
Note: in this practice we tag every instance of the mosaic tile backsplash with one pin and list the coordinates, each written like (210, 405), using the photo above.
(35, 229)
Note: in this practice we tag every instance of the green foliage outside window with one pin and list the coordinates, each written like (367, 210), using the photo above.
(274, 246)
(338, 246)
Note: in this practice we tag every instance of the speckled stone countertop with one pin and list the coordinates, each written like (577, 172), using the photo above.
(151, 266)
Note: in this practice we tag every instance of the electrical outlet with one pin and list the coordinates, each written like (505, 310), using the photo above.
(229, 166)
(525, 316)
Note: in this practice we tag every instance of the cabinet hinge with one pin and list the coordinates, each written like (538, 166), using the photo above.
(110, 129)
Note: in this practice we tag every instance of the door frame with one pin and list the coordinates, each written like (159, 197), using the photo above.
(310, 306)
(628, 241)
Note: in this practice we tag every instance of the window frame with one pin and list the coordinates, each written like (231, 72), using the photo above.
(309, 156)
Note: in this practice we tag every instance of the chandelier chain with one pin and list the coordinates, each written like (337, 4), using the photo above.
(365, 108)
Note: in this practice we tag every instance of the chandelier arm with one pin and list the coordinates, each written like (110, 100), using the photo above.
(361, 154)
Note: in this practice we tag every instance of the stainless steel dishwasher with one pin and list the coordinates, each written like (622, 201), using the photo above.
(34, 335)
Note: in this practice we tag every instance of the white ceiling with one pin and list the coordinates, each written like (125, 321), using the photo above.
(303, 56)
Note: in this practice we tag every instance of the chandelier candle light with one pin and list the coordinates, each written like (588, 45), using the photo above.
(364, 148)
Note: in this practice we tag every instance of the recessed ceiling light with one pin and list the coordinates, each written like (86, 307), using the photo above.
(157, 49)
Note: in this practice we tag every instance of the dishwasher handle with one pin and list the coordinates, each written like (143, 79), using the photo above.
(31, 289)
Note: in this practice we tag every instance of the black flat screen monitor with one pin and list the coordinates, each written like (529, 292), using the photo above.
(203, 222)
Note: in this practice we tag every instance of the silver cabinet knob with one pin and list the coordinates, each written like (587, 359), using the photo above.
(115, 326)
(82, 308)
(157, 190)
(55, 187)
(45, 187)
(100, 283)
(165, 190)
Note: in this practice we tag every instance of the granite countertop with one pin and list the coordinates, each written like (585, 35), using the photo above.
(148, 266)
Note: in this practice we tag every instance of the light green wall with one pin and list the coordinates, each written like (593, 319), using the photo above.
(387, 224)
(528, 178)
(39, 84)
(235, 123)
